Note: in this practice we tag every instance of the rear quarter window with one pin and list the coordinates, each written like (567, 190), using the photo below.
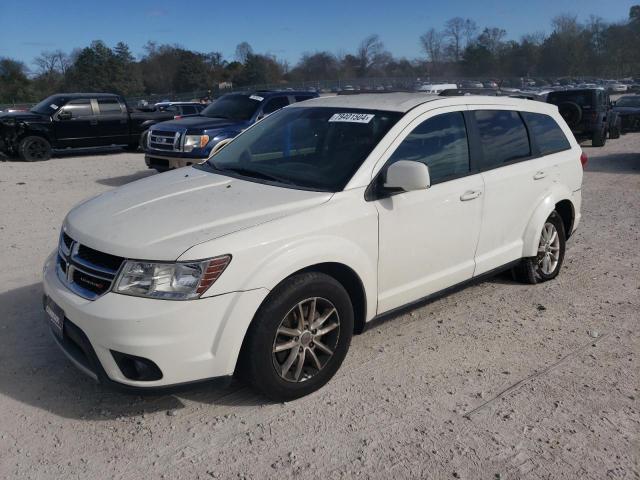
(548, 135)
(503, 137)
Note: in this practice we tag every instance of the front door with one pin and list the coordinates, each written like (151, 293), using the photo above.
(75, 124)
(428, 238)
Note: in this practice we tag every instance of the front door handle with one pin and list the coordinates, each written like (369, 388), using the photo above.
(539, 175)
(470, 195)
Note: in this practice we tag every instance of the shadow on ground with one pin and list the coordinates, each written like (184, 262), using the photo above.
(615, 163)
(124, 179)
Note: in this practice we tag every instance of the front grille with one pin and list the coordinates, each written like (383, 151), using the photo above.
(85, 271)
(164, 141)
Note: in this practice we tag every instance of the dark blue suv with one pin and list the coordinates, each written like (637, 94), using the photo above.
(178, 143)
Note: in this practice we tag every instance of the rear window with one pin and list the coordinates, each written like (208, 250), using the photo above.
(503, 136)
(549, 136)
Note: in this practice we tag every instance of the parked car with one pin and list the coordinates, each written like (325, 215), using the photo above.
(73, 120)
(191, 140)
(616, 87)
(588, 112)
(472, 84)
(436, 88)
(490, 84)
(264, 260)
(628, 109)
(170, 110)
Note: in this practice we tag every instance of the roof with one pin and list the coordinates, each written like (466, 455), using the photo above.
(403, 102)
(395, 102)
(82, 95)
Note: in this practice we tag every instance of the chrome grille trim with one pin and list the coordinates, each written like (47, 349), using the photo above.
(73, 270)
(164, 141)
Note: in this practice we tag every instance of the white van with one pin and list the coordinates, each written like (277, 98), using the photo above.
(264, 260)
(436, 89)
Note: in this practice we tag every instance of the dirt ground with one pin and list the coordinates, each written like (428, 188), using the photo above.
(499, 380)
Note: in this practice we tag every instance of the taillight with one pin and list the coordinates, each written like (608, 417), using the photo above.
(583, 159)
(177, 117)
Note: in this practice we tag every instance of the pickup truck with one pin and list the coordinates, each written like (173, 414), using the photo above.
(190, 140)
(74, 120)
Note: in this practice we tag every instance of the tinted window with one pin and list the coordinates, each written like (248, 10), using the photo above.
(78, 108)
(302, 98)
(584, 98)
(188, 109)
(503, 136)
(549, 136)
(275, 104)
(314, 148)
(234, 106)
(441, 144)
(109, 106)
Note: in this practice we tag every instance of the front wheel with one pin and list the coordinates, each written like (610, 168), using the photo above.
(599, 138)
(33, 149)
(299, 337)
(551, 247)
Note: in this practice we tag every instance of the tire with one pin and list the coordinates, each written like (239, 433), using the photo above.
(531, 270)
(34, 149)
(143, 139)
(279, 375)
(571, 112)
(599, 138)
(614, 132)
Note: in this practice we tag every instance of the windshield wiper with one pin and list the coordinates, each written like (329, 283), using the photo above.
(246, 172)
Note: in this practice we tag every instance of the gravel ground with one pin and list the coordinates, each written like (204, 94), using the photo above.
(499, 380)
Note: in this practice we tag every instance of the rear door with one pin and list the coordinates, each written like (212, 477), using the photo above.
(428, 238)
(75, 123)
(516, 178)
(113, 122)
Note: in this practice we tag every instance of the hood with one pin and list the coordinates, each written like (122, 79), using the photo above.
(623, 110)
(160, 217)
(22, 116)
(197, 123)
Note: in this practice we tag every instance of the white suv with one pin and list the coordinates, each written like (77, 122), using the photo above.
(264, 260)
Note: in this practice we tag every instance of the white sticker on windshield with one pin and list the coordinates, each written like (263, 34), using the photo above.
(352, 117)
(256, 97)
(54, 106)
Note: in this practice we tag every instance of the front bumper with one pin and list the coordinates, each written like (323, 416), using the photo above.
(187, 340)
(164, 162)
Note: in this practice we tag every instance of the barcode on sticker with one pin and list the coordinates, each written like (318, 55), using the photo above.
(352, 117)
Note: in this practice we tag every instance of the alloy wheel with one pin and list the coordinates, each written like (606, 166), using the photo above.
(306, 339)
(548, 249)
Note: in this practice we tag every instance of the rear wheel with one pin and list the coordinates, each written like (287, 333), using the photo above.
(599, 138)
(299, 337)
(551, 247)
(33, 149)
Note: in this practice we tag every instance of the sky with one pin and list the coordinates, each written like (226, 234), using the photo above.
(282, 28)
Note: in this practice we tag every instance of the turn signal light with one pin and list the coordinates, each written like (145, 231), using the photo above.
(212, 273)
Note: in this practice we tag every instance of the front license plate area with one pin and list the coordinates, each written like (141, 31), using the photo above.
(56, 317)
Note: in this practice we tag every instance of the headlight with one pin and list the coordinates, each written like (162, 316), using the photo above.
(170, 281)
(195, 141)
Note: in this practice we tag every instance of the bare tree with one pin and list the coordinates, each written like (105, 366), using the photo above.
(454, 30)
(470, 31)
(243, 50)
(431, 42)
(368, 52)
(49, 63)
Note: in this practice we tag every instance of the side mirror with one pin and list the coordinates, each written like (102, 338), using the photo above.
(64, 115)
(407, 175)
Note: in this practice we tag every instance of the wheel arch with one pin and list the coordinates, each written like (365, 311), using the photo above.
(558, 201)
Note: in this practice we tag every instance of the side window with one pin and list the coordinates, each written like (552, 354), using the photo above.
(80, 107)
(302, 98)
(275, 104)
(440, 143)
(549, 136)
(109, 106)
(188, 109)
(503, 137)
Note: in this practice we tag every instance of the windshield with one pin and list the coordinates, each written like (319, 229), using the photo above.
(629, 101)
(233, 107)
(49, 105)
(311, 148)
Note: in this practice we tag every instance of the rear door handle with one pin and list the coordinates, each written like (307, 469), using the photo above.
(470, 195)
(539, 175)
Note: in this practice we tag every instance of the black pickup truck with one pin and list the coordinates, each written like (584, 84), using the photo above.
(74, 120)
